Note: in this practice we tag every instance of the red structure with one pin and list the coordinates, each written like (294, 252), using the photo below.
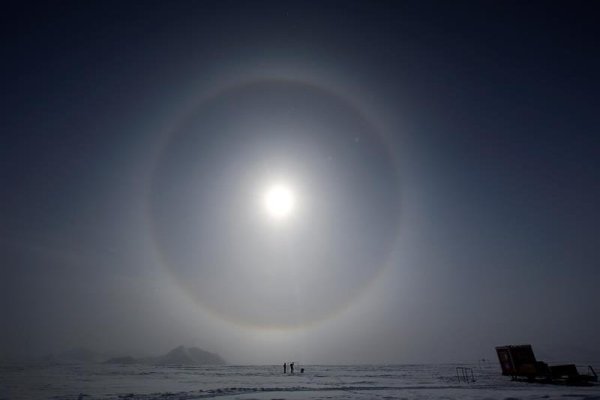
(520, 362)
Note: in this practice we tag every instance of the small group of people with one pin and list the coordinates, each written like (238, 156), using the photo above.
(291, 368)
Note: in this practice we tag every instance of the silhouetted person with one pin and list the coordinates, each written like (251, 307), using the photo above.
(301, 370)
(292, 368)
(284, 367)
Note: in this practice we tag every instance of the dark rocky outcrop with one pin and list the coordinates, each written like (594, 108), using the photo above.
(189, 356)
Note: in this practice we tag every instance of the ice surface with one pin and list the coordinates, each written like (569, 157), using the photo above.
(143, 382)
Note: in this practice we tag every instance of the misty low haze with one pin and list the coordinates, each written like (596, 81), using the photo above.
(325, 182)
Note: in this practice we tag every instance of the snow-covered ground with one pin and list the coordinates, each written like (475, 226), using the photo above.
(100, 381)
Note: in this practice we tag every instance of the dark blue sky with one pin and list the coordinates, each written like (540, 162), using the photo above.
(475, 183)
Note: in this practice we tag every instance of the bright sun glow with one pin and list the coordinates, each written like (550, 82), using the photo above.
(279, 201)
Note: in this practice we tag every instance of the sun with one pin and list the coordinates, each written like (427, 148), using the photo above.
(279, 201)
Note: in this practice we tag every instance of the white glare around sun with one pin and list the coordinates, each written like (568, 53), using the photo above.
(279, 201)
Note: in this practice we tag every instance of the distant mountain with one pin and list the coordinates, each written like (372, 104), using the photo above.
(180, 355)
(189, 356)
(75, 355)
(122, 360)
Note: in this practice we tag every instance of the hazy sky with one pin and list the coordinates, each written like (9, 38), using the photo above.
(439, 164)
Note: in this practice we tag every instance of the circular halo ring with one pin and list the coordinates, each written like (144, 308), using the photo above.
(231, 87)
